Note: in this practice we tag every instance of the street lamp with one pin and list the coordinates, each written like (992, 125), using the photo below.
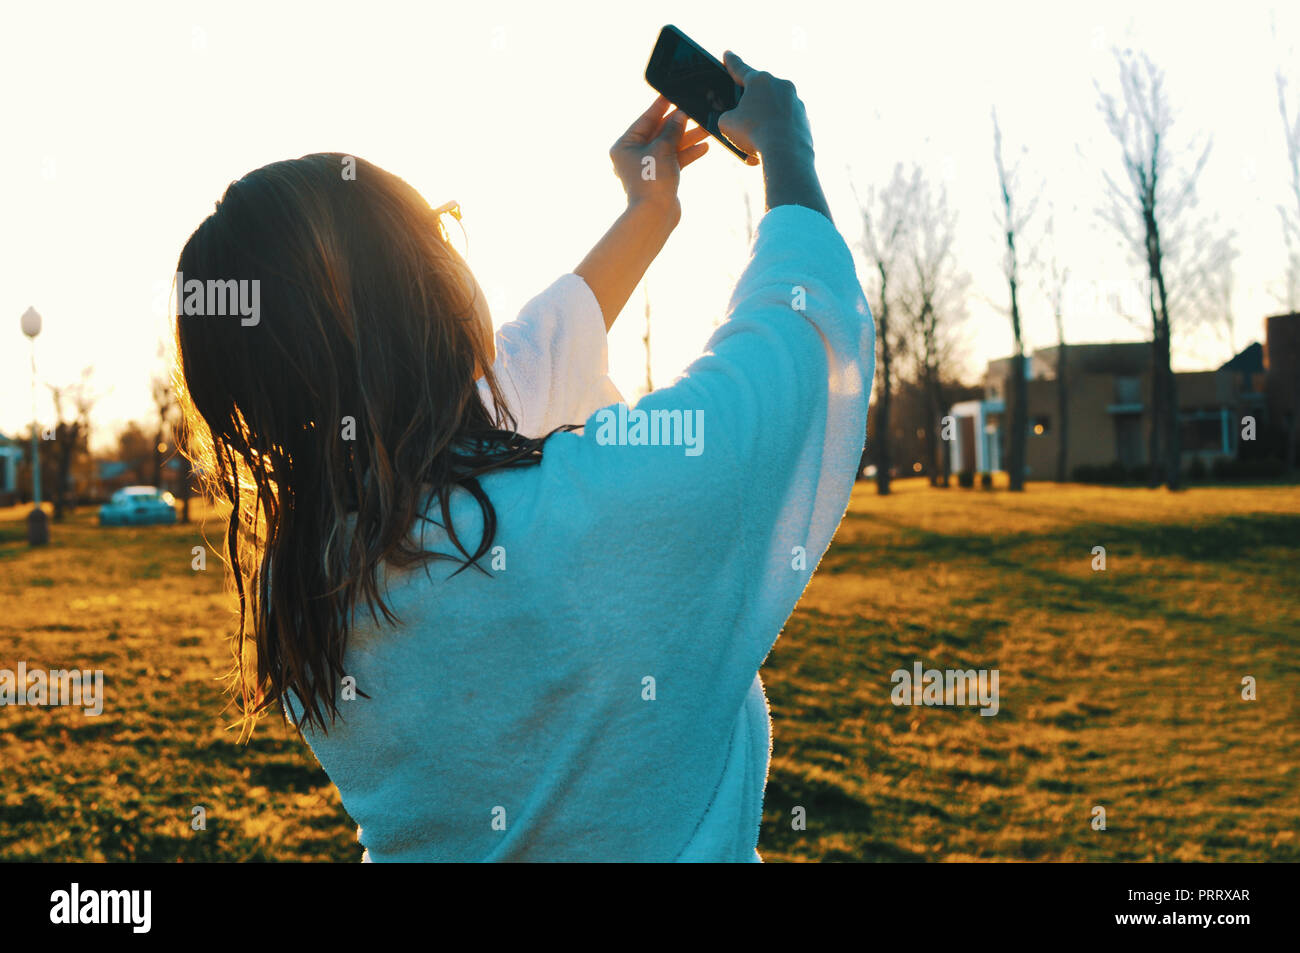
(38, 525)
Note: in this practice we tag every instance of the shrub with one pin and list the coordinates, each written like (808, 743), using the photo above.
(1110, 473)
(1266, 468)
(1224, 470)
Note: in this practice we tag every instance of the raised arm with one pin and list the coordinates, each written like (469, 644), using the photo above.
(770, 121)
(648, 160)
(700, 514)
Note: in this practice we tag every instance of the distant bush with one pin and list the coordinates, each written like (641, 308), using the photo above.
(1266, 468)
(1110, 473)
(986, 481)
(1223, 470)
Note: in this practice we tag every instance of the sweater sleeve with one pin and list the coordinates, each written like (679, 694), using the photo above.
(552, 361)
(732, 528)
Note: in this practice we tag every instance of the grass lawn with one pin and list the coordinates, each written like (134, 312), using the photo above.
(1119, 689)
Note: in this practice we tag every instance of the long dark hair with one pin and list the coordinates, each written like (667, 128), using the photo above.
(367, 319)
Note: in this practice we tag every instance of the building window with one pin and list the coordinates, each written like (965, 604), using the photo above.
(1128, 440)
(1128, 390)
(1201, 431)
(1040, 425)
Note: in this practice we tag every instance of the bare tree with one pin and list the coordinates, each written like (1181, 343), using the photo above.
(1290, 213)
(1290, 210)
(170, 435)
(135, 451)
(1151, 210)
(1013, 220)
(71, 435)
(933, 300)
(885, 218)
(1055, 281)
(1219, 286)
(164, 401)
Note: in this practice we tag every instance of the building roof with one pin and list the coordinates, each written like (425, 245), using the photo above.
(1124, 358)
(1110, 357)
(1249, 361)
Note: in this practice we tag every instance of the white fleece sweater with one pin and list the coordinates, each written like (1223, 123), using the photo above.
(553, 361)
(595, 695)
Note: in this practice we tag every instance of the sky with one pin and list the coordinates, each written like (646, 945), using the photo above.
(122, 124)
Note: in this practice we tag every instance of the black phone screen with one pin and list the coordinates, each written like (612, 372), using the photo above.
(693, 80)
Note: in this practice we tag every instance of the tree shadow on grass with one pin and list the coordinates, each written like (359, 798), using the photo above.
(1239, 542)
(830, 809)
(1228, 539)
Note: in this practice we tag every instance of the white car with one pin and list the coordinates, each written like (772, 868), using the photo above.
(137, 506)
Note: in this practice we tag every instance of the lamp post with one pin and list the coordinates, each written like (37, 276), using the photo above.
(38, 525)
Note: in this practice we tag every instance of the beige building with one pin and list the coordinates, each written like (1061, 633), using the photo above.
(1109, 405)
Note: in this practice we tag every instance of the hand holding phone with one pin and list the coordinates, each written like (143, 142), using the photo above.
(695, 82)
(769, 116)
(751, 112)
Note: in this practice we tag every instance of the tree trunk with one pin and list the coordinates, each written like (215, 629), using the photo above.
(1154, 464)
(1173, 451)
(1164, 442)
(67, 447)
(931, 429)
(1063, 417)
(936, 449)
(1172, 441)
(158, 461)
(1293, 422)
(1164, 468)
(1018, 393)
(882, 410)
(1157, 421)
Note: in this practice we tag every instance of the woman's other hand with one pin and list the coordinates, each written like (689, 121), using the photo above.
(649, 157)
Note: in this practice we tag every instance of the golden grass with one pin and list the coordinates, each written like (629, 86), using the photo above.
(1119, 689)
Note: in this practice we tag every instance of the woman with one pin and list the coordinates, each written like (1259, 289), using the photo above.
(535, 645)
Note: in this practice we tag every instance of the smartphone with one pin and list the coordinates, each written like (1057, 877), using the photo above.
(693, 81)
